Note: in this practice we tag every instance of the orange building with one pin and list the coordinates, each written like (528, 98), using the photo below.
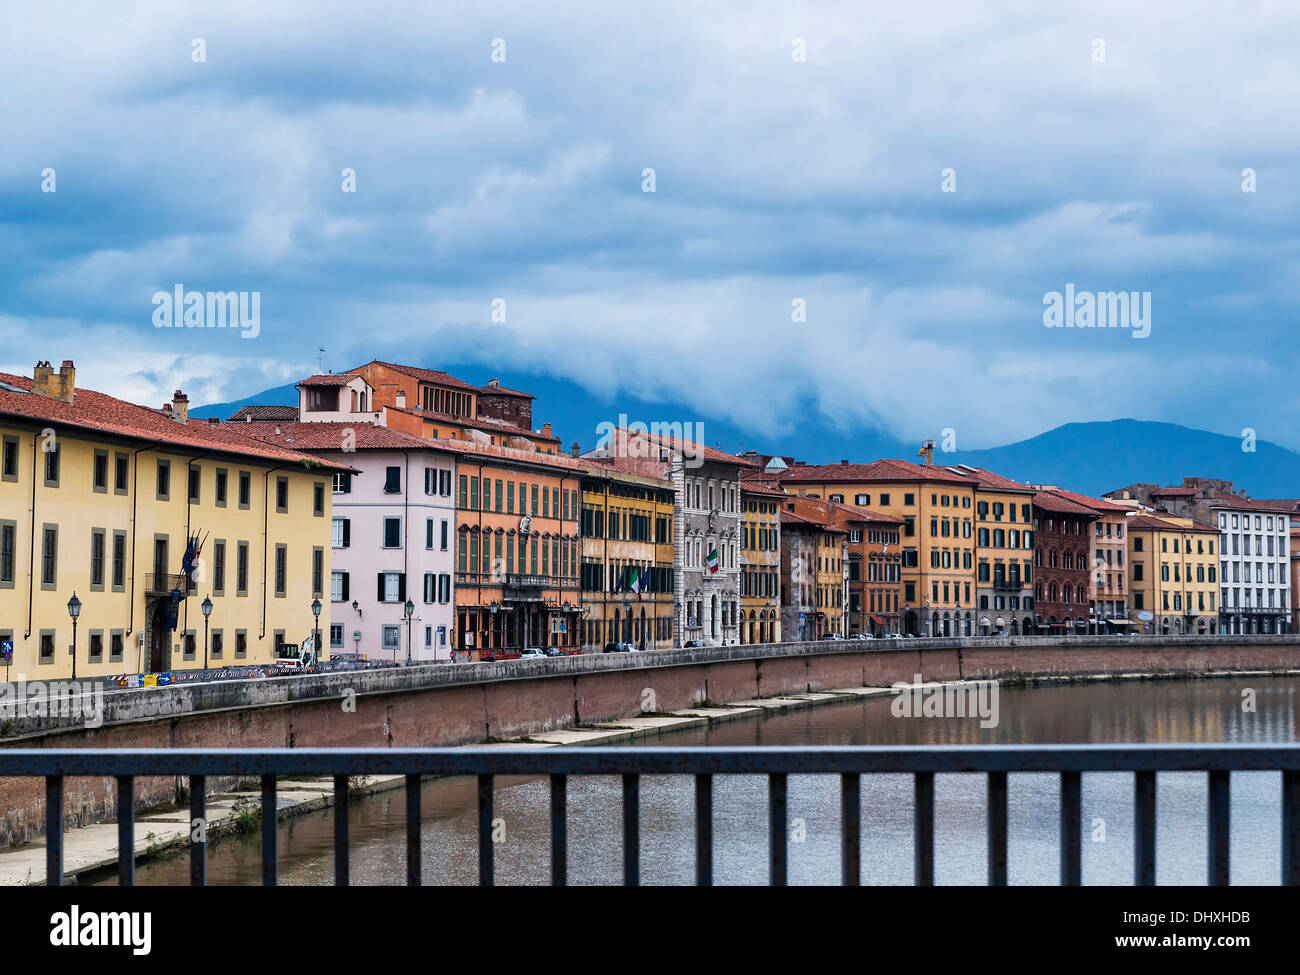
(517, 549)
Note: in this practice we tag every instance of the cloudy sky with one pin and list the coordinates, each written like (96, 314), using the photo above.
(1102, 148)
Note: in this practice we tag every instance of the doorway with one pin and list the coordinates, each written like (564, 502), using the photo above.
(158, 638)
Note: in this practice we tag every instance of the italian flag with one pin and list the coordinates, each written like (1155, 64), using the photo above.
(713, 560)
(637, 582)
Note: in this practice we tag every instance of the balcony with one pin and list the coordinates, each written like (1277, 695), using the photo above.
(165, 583)
(1014, 585)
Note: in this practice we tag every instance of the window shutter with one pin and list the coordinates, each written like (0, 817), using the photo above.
(381, 587)
(347, 532)
(401, 587)
(346, 594)
(347, 483)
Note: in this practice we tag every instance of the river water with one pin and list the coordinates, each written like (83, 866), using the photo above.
(1129, 712)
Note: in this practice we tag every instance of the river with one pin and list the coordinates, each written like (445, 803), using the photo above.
(1119, 712)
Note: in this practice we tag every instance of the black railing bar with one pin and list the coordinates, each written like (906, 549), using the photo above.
(54, 830)
(269, 818)
(559, 831)
(340, 831)
(126, 831)
(631, 831)
(1218, 830)
(704, 830)
(923, 831)
(851, 830)
(1144, 828)
(1071, 829)
(997, 827)
(486, 868)
(777, 837)
(790, 760)
(413, 825)
(1291, 829)
(198, 831)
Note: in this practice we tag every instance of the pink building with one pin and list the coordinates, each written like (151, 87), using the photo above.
(394, 537)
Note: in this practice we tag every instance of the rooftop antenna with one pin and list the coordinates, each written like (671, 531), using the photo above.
(320, 361)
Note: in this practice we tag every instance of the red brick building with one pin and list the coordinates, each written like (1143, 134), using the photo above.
(1062, 550)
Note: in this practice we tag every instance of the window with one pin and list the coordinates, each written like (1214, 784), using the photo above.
(241, 569)
(219, 567)
(47, 647)
(241, 643)
(336, 634)
(342, 483)
(9, 459)
(392, 637)
(119, 561)
(392, 533)
(8, 547)
(116, 645)
(219, 495)
(282, 495)
(281, 569)
(339, 588)
(245, 490)
(191, 648)
(392, 587)
(97, 538)
(318, 500)
(49, 556)
(164, 480)
(217, 644)
(443, 544)
(342, 532)
(52, 453)
(121, 467)
(393, 480)
(317, 571)
(100, 477)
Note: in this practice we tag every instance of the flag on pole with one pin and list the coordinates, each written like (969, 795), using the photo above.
(637, 582)
(713, 560)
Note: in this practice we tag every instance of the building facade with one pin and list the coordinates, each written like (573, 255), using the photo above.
(1108, 597)
(1173, 569)
(100, 498)
(626, 573)
(1062, 553)
(1004, 552)
(392, 538)
(760, 562)
(936, 508)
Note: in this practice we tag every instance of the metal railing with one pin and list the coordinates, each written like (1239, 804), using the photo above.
(850, 763)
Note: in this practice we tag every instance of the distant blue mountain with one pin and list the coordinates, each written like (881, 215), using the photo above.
(1088, 457)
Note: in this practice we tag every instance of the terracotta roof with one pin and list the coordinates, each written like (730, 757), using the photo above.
(1291, 504)
(794, 518)
(1054, 502)
(1096, 504)
(331, 436)
(328, 379)
(1174, 491)
(100, 413)
(513, 454)
(424, 375)
(672, 443)
(989, 480)
(489, 389)
(265, 413)
(1250, 504)
(880, 470)
(1147, 522)
(475, 423)
(760, 486)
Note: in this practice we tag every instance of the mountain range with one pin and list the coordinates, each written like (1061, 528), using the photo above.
(1090, 457)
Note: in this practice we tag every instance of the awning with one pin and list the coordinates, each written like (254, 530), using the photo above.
(877, 620)
(1122, 622)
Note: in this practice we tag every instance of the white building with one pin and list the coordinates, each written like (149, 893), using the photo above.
(1254, 565)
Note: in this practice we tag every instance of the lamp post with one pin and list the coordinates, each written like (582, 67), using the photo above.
(494, 607)
(315, 630)
(408, 611)
(207, 611)
(74, 610)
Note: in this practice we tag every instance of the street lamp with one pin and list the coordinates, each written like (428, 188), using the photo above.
(408, 611)
(315, 630)
(207, 611)
(74, 610)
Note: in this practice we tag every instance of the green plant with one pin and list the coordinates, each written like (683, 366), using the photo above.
(247, 814)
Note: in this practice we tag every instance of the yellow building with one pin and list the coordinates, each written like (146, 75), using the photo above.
(98, 497)
(936, 506)
(760, 562)
(627, 559)
(1004, 551)
(1173, 573)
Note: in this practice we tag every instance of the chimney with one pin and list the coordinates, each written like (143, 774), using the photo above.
(180, 407)
(576, 449)
(494, 382)
(546, 430)
(61, 386)
(401, 399)
(844, 463)
(213, 420)
(277, 429)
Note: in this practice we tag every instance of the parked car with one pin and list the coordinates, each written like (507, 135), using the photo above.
(487, 657)
(553, 651)
(619, 648)
(693, 643)
(532, 652)
(833, 636)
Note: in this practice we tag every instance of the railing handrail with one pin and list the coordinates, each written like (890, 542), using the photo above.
(782, 759)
